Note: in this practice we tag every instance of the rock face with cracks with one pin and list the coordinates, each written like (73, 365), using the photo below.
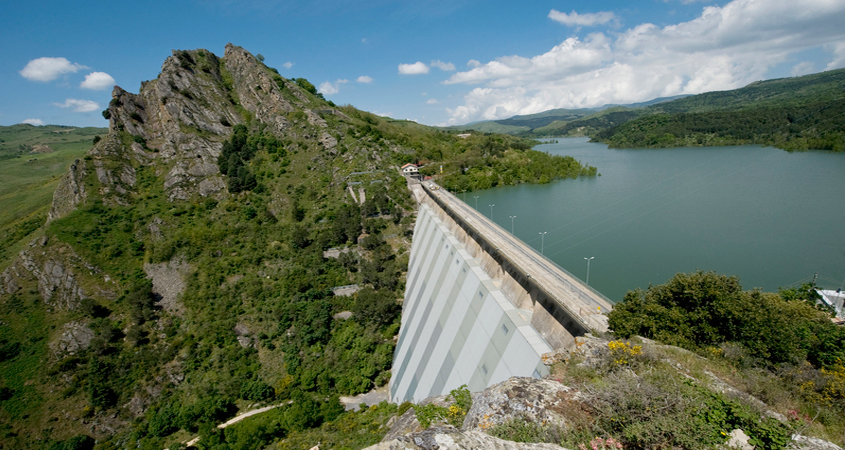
(178, 123)
(514, 399)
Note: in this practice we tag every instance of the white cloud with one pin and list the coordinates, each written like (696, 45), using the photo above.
(416, 68)
(432, 101)
(443, 66)
(329, 88)
(803, 68)
(36, 122)
(287, 65)
(838, 50)
(97, 81)
(48, 69)
(364, 79)
(723, 48)
(473, 63)
(79, 105)
(588, 20)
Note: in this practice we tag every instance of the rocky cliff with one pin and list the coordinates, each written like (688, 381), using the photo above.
(174, 127)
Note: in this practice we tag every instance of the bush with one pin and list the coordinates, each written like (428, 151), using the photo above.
(523, 430)
(704, 309)
(257, 391)
(454, 414)
(78, 442)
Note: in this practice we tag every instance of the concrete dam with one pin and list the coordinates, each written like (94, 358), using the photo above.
(480, 305)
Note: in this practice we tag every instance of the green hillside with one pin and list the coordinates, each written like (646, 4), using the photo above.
(29, 179)
(791, 113)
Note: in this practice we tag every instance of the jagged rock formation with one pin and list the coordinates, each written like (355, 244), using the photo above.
(180, 120)
(54, 267)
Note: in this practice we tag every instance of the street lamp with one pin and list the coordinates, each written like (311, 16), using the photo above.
(491, 211)
(476, 203)
(588, 268)
(512, 217)
(542, 242)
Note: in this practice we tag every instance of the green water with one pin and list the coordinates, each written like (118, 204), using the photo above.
(771, 217)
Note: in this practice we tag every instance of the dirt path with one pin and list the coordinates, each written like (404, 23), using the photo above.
(238, 418)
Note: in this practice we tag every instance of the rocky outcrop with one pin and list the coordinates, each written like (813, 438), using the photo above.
(258, 92)
(181, 119)
(519, 398)
(800, 442)
(168, 283)
(450, 438)
(74, 337)
(70, 191)
(57, 284)
(51, 268)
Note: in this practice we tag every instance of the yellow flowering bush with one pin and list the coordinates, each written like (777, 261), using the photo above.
(622, 353)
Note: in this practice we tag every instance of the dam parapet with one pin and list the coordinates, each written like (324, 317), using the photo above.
(480, 305)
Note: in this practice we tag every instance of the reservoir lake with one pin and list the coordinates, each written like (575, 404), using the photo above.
(771, 217)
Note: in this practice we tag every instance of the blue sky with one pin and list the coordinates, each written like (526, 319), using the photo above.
(437, 62)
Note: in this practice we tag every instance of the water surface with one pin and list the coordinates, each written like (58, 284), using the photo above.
(771, 217)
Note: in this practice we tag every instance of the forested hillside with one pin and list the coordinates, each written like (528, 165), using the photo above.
(792, 113)
(188, 264)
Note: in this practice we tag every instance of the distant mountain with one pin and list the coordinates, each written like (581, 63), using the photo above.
(527, 124)
(791, 113)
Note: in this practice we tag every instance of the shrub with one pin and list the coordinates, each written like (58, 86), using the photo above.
(522, 430)
(454, 414)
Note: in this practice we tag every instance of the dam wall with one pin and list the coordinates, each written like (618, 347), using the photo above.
(480, 305)
(458, 325)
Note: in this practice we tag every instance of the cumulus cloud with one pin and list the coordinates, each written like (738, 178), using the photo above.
(432, 101)
(36, 122)
(97, 81)
(329, 88)
(364, 79)
(443, 66)
(287, 65)
(802, 68)
(838, 50)
(48, 69)
(416, 68)
(79, 105)
(574, 19)
(723, 48)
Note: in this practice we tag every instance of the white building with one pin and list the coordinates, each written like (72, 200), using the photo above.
(410, 170)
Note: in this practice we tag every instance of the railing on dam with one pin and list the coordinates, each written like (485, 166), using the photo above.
(581, 303)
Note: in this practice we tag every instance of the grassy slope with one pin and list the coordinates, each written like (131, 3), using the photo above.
(28, 180)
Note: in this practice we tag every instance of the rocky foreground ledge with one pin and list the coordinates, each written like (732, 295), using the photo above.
(546, 403)
(538, 401)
